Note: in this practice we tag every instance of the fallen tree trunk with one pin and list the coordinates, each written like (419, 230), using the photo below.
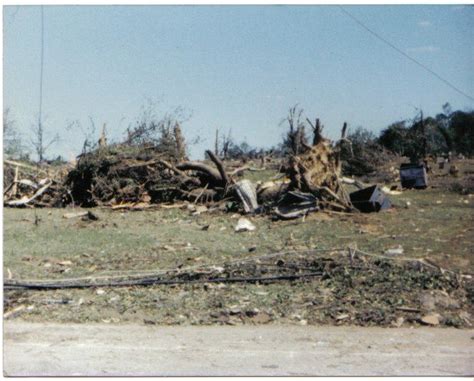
(180, 173)
(220, 167)
(148, 281)
(212, 173)
(26, 201)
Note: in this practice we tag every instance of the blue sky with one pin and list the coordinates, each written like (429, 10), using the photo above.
(232, 67)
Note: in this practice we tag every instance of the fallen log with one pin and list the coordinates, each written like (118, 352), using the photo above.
(148, 281)
(220, 167)
(212, 173)
(180, 173)
(26, 200)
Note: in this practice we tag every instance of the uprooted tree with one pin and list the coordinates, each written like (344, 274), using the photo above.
(314, 170)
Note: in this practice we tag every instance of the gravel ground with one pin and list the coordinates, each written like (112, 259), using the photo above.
(45, 349)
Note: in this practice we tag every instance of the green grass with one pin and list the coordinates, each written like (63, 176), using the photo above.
(260, 175)
(168, 238)
(438, 226)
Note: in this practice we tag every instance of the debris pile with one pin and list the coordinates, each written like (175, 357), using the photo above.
(116, 174)
(368, 159)
(29, 186)
(314, 179)
(121, 174)
(142, 174)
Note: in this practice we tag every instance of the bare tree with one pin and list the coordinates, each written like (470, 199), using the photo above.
(162, 132)
(89, 133)
(40, 143)
(12, 143)
(226, 143)
(295, 141)
(317, 128)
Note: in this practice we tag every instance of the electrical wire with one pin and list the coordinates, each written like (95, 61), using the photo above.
(360, 23)
(41, 70)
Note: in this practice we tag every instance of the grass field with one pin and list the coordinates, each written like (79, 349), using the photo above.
(437, 225)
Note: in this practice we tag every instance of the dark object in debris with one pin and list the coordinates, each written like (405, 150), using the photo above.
(370, 199)
(57, 301)
(296, 204)
(413, 176)
(90, 216)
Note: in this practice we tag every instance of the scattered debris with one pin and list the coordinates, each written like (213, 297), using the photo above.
(392, 192)
(199, 209)
(370, 199)
(453, 170)
(244, 225)
(89, 216)
(248, 195)
(24, 200)
(431, 319)
(74, 215)
(133, 177)
(395, 250)
(413, 176)
(364, 290)
(33, 186)
(14, 311)
(407, 309)
(65, 263)
(438, 299)
(296, 204)
(398, 322)
(261, 318)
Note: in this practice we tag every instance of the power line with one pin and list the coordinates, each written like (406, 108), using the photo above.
(404, 54)
(41, 70)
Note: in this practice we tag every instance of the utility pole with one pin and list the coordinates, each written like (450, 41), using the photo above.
(39, 136)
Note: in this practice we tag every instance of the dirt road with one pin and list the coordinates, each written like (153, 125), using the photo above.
(100, 350)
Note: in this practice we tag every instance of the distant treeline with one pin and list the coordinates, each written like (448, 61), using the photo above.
(449, 131)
